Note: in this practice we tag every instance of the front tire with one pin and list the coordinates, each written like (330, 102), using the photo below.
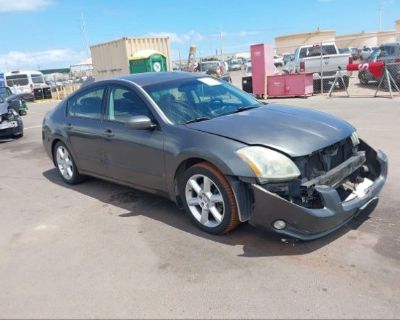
(65, 164)
(208, 199)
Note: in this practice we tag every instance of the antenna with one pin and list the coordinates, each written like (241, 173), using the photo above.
(84, 35)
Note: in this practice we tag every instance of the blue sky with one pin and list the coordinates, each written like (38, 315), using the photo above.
(47, 33)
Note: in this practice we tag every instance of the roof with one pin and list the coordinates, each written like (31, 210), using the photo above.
(150, 78)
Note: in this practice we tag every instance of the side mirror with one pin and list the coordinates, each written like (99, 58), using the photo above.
(140, 123)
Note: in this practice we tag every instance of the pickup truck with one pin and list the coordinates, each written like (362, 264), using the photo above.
(308, 59)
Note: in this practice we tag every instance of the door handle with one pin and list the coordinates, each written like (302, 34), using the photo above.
(69, 127)
(108, 133)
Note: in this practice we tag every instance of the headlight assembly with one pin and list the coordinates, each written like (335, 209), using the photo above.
(269, 165)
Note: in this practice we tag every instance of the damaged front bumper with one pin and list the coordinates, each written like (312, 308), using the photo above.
(307, 223)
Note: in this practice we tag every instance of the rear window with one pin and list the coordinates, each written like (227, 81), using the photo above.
(37, 78)
(208, 66)
(316, 51)
(17, 80)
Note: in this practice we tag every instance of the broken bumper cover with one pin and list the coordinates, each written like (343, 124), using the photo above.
(309, 224)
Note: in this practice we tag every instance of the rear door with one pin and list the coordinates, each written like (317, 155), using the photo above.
(85, 130)
(133, 156)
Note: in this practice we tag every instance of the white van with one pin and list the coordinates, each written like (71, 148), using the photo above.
(29, 85)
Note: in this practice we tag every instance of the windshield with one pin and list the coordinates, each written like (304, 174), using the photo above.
(191, 99)
(4, 92)
(17, 80)
(37, 78)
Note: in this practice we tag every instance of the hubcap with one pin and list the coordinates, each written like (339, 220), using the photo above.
(205, 200)
(64, 162)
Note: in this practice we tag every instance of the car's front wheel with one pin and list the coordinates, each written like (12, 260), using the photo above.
(66, 165)
(209, 199)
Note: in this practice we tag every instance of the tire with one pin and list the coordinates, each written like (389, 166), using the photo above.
(222, 215)
(65, 165)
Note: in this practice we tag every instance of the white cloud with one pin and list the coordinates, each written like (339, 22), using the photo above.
(55, 58)
(23, 5)
(179, 38)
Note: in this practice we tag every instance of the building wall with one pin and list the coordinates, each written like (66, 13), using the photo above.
(111, 59)
(387, 37)
(289, 43)
(398, 29)
(358, 40)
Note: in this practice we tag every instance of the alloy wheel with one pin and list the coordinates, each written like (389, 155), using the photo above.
(64, 163)
(205, 200)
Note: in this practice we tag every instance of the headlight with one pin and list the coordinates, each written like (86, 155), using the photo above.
(269, 165)
(12, 112)
(354, 138)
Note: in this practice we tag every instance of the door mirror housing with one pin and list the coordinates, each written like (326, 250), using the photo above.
(140, 123)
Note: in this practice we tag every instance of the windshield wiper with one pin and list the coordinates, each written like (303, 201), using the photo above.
(240, 109)
(198, 119)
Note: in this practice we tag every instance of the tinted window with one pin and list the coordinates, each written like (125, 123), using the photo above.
(316, 51)
(87, 104)
(17, 80)
(124, 104)
(37, 78)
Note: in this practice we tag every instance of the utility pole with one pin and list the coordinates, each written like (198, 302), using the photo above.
(380, 16)
(84, 35)
(220, 37)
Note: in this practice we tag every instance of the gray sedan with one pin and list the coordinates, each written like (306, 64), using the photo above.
(217, 152)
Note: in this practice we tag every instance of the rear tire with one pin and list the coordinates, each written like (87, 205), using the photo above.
(65, 164)
(209, 199)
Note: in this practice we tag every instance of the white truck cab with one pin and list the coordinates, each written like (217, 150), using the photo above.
(29, 85)
(321, 60)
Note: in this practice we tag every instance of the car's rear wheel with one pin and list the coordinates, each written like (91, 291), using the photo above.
(66, 165)
(209, 199)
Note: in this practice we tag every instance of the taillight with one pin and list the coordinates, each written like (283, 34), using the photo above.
(219, 71)
(397, 60)
(302, 66)
(350, 60)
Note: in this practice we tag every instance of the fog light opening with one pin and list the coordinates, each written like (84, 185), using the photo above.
(279, 224)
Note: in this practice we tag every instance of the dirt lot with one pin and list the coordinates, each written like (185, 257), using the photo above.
(101, 250)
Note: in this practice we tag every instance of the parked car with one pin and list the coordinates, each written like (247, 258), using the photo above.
(203, 143)
(234, 65)
(389, 54)
(215, 68)
(14, 101)
(11, 125)
(287, 57)
(365, 53)
(29, 85)
(308, 59)
(278, 61)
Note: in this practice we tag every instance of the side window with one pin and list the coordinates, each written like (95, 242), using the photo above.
(87, 104)
(124, 104)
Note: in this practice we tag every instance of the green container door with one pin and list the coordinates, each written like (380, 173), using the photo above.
(153, 63)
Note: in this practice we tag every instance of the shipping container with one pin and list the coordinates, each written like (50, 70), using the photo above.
(111, 58)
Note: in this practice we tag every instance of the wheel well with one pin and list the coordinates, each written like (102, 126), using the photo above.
(183, 166)
(53, 144)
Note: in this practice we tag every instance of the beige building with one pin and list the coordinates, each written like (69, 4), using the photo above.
(288, 43)
(112, 58)
(398, 29)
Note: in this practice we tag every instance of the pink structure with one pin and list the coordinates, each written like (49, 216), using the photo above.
(262, 62)
(290, 85)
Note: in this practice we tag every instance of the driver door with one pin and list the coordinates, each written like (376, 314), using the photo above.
(132, 156)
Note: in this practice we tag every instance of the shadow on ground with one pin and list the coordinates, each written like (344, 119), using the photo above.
(255, 242)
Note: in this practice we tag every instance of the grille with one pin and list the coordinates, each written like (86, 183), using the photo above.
(321, 161)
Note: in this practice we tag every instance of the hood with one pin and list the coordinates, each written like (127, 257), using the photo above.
(291, 130)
